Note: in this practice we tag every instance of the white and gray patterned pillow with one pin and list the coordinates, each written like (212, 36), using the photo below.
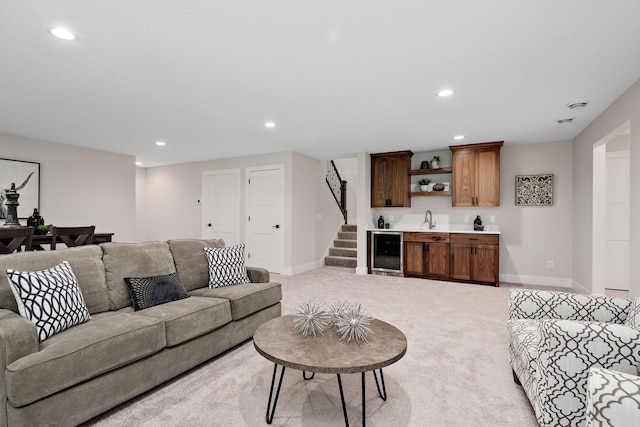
(613, 398)
(226, 266)
(49, 298)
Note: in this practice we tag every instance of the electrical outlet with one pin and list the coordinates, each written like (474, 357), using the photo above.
(549, 264)
(466, 218)
(492, 218)
(390, 217)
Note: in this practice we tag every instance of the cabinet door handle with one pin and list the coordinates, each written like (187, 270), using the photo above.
(473, 238)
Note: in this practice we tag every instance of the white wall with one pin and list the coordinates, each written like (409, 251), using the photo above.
(531, 235)
(625, 109)
(80, 186)
(141, 206)
(171, 208)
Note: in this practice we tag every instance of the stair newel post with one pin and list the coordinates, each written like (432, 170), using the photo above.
(343, 199)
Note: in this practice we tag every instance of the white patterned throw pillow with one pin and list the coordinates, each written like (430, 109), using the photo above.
(49, 298)
(226, 266)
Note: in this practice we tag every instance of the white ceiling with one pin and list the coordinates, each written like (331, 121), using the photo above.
(338, 77)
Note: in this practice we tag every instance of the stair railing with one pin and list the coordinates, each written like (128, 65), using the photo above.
(338, 187)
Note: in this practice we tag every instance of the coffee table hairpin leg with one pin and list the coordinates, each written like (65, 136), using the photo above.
(269, 417)
(383, 396)
(272, 410)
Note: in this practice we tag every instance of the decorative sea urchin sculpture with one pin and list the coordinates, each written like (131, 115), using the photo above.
(335, 311)
(353, 324)
(310, 318)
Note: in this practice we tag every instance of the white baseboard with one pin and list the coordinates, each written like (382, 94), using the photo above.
(362, 270)
(578, 288)
(292, 271)
(559, 282)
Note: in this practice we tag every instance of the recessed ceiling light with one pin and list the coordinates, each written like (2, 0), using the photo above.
(577, 105)
(458, 137)
(63, 33)
(445, 92)
(138, 163)
(565, 120)
(269, 125)
(161, 143)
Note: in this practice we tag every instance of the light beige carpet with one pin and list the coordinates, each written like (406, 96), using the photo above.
(455, 373)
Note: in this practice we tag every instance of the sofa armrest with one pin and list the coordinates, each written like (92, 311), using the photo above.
(18, 337)
(613, 398)
(258, 275)
(567, 350)
(537, 304)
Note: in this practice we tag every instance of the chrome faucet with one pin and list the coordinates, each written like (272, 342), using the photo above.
(429, 220)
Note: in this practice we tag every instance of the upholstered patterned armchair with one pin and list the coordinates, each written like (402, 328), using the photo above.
(554, 340)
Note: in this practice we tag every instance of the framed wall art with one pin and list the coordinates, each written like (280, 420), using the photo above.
(534, 190)
(26, 177)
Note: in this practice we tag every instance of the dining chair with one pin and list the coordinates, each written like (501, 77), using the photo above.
(72, 236)
(12, 239)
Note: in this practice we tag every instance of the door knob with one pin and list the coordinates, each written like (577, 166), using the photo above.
(276, 226)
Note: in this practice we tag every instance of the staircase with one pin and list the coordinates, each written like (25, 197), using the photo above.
(344, 252)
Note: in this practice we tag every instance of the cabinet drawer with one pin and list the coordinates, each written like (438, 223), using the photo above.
(475, 239)
(426, 237)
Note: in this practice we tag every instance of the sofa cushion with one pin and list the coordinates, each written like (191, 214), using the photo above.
(50, 298)
(86, 262)
(246, 298)
(148, 292)
(106, 342)
(191, 262)
(133, 260)
(226, 266)
(189, 318)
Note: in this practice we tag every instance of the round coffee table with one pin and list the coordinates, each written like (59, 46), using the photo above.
(279, 341)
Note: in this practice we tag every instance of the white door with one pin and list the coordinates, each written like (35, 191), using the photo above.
(617, 221)
(265, 207)
(221, 205)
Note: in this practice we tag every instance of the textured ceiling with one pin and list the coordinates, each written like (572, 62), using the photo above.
(337, 77)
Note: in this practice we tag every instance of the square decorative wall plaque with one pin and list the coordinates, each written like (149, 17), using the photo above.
(534, 190)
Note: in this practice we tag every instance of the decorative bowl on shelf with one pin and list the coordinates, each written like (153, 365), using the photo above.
(438, 187)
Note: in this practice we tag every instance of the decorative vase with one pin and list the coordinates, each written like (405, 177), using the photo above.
(35, 219)
(424, 188)
(435, 164)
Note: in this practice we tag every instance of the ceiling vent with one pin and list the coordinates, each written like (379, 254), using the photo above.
(565, 120)
(577, 105)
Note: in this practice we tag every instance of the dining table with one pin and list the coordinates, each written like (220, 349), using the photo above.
(40, 241)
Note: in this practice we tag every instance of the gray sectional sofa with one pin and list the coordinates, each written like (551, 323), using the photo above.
(118, 354)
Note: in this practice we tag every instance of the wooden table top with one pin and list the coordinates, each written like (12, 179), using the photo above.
(278, 340)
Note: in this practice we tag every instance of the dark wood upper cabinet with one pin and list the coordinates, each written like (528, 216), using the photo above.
(390, 179)
(476, 174)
